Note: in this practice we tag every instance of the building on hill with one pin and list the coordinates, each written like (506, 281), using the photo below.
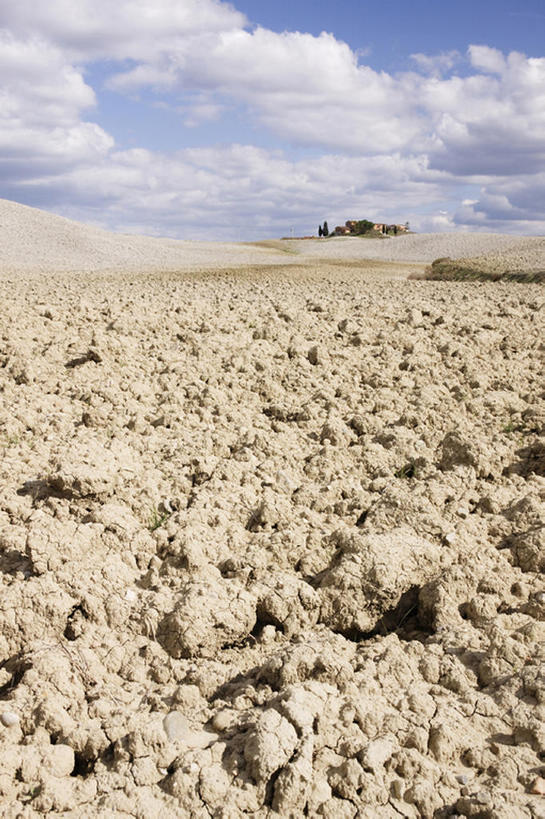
(353, 227)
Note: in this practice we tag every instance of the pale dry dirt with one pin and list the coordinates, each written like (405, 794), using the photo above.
(272, 538)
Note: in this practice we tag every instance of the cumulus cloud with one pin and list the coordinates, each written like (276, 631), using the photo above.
(42, 100)
(127, 29)
(489, 60)
(487, 124)
(298, 86)
(302, 88)
(436, 64)
(512, 201)
(397, 146)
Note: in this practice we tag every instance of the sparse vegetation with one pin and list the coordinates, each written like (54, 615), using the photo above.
(408, 470)
(157, 518)
(446, 269)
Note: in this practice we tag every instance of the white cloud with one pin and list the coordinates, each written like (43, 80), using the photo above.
(436, 64)
(125, 29)
(299, 86)
(42, 98)
(487, 124)
(487, 59)
(509, 203)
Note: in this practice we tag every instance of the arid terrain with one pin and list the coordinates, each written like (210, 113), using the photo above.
(272, 528)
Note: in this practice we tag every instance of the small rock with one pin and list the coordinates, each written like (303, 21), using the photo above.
(347, 326)
(378, 752)
(483, 798)
(450, 537)
(177, 729)
(268, 635)
(538, 786)
(223, 720)
(313, 355)
(415, 318)
(176, 726)
(269, 746)
(285, 482)
(60, 760)
(8, 718)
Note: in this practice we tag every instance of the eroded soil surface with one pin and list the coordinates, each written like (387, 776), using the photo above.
(272, 544)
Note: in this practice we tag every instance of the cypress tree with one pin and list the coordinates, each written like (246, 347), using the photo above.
(325, 229)
(320, 231)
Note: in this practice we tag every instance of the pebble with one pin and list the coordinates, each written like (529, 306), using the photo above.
(60, 760)
(462, 512)
(223, 720)
(378, 752)
(176, 726)
(415, 318)
(451, 537)
(177, 729)
(8, 718)
(285, 482)
(463, 779)
(538, 786)
(268, 635)
(313, 355)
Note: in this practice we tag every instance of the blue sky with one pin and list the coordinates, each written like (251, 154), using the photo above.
(403, 28)
(243, 120)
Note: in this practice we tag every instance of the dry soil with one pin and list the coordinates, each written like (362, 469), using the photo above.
(272, 537)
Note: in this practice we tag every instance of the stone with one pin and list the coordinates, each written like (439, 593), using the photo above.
(60, 760)
(9, 718)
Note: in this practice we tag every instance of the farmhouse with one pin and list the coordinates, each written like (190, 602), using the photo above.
(357, 228)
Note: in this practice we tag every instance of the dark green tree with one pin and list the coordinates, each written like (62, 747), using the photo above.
(320, 231)
(325, 229)
(364, 226)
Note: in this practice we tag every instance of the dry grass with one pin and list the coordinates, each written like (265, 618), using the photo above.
(446, 269)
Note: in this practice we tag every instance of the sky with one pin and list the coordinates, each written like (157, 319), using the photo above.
(260, 118)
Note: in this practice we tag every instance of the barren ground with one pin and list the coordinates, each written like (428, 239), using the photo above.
(272, 542)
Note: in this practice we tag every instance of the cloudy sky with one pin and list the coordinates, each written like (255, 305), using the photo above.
(243, 120)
